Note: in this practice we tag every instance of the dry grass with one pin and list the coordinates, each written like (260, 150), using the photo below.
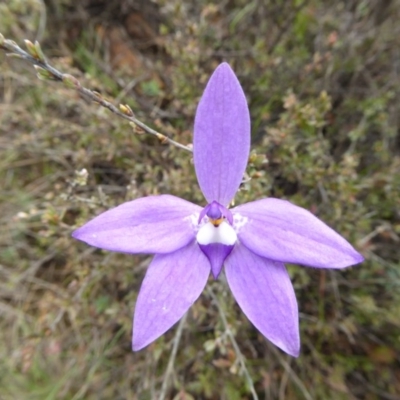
(322, 82)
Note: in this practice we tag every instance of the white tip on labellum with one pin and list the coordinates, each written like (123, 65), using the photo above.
(223, 234)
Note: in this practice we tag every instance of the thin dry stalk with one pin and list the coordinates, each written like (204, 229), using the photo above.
(171, 361)
(46, 71)
(229, 333)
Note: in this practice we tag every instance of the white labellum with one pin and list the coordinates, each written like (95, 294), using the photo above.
(223, 234)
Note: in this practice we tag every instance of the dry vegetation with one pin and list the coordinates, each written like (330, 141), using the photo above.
(322, 80)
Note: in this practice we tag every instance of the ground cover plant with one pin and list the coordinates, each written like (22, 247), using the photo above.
(322, 84)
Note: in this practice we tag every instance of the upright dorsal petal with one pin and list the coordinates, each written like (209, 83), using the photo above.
(221, 141)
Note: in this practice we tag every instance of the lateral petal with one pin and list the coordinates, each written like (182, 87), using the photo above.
(279, 230)
(154, 224)
(221, 141)
(173, 282)
(263, 290)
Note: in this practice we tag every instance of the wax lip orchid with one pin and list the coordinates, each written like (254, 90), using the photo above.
(252, 241)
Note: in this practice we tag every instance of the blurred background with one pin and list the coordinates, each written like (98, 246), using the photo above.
(322, 81)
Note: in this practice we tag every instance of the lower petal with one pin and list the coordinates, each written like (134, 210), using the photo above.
(173, 282)
(216, 254)
(264, 292)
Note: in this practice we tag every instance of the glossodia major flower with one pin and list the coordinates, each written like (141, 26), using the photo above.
(252, 241)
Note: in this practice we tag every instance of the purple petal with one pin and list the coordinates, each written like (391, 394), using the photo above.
(221, 142)
(154, 224)
(173, 282)
(216, 254)
(281, 231)
(264, 292)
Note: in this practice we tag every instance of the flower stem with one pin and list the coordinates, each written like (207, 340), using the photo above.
(231, 336)
(171, 361)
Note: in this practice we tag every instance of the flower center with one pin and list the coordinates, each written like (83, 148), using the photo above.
(216, 236)
(214, 214)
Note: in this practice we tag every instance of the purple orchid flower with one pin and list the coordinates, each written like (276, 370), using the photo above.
(252, 241)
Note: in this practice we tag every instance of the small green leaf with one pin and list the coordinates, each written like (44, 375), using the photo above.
(70, 81)
(39, 52)
(31, 49)
(43, 74)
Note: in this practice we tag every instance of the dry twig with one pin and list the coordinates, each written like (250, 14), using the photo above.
(45, 71)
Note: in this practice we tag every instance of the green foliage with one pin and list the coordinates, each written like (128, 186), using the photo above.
(322, 86)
